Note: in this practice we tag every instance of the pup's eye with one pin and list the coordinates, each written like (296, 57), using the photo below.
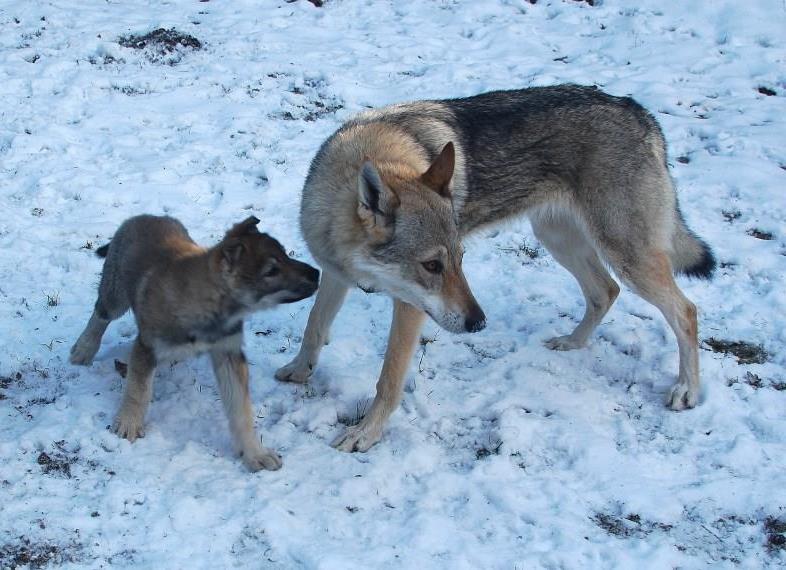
(271, 271)
(433, 266)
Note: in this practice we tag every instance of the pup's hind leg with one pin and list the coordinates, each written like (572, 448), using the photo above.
(330, 296)
(130, 419)
(231, 369)
(112, 303)
(569, 245)
(651, 276)
(86, 346)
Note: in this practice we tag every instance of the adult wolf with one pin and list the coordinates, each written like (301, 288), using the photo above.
(390, 195)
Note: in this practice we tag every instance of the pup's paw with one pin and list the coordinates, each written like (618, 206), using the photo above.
(682, 396)
(295, 371)
(82, 353)
(357, 438)
(262, 458)
(566, 342)
(128, 426)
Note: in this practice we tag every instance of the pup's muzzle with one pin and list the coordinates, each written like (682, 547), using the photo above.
(308, 283)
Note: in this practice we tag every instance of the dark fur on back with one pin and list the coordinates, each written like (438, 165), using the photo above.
(525, 143)
(525, 147)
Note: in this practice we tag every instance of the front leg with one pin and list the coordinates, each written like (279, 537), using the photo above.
(330, 296)
(402, 341)
(231, 369)
(130, 419)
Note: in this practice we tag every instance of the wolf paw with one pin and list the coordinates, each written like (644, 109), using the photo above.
(128, 427)
(566, 342)
(681, 397)
(357, 438)
(262, 458)
(82, 353)
(294, 372)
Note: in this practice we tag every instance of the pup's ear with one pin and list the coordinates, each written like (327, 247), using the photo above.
(247, 226)
(232, 250)
(376, 203)
(439, 174)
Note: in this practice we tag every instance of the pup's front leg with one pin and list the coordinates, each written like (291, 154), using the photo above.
(130, 419)
(231, 369)
(403, 339)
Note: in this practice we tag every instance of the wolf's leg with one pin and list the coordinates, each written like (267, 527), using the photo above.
(652, 278)
(130, 418)
(403, 339)
(231, 370)
(570, 246)
(330, 296)
(88, 343)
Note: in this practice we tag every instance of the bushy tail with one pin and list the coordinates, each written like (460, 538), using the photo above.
(103, 250)
(690, 255)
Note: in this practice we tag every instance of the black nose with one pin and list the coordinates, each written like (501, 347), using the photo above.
(476, 321)
(312, 274)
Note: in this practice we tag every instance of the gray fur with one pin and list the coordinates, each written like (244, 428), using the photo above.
(588, 168)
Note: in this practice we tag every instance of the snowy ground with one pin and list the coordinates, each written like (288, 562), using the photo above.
(504, 454)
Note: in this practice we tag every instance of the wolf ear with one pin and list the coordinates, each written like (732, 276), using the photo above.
(440, 173)
(232, 251)
(247, 226)
(376, 202)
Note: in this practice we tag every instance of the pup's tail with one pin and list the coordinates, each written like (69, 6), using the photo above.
(103, 250)
(690, 255)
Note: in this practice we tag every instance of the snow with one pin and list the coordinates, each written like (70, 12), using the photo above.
(504, 454)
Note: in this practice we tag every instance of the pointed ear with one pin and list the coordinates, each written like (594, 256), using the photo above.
(439, 174)
(247, 226)
(232, 250)
(376, 202)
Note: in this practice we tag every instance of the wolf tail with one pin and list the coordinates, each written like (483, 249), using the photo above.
(690, 255)
(103, 250)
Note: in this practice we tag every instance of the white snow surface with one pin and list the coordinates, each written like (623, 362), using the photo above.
(503, 454)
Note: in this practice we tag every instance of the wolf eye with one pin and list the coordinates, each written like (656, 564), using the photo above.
(433, 266)
(272, 271)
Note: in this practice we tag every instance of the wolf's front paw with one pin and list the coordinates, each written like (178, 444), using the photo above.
(682, 396)
(82, 353)
(128, 426)
(295, 371)
(357, 438)
(566, 342)
(262, 458)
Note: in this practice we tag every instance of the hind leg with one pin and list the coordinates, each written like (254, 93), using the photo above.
(569, 245)
(112, 303)
(652, 278)
(86, 346)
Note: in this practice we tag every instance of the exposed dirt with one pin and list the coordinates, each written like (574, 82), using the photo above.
(746, 352)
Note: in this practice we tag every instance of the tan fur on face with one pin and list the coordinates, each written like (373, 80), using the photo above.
(456, 291)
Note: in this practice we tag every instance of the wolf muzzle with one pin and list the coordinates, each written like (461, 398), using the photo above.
(475, 321)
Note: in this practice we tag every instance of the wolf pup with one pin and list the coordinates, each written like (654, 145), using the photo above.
(186, 300)
(391, 194)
